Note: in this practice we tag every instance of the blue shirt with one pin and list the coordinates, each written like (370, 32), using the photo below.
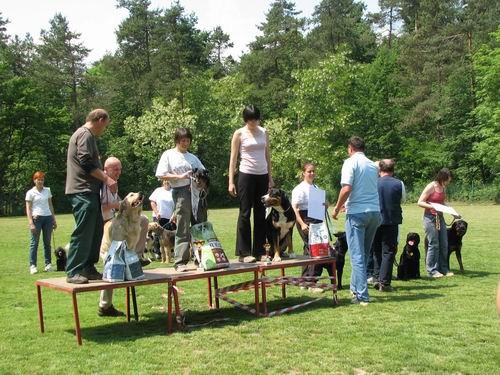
(362, 174)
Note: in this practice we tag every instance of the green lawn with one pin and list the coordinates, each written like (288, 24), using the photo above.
(446, 326)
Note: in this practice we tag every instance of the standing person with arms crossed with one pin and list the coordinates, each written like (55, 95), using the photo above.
(251, 143)
(41, 218)
(360, 196)
(83, 184)
(391, 193)
(176, 165)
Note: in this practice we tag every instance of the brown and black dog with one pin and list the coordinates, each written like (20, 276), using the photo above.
(455, 235)
(280, 219)
(167, 241)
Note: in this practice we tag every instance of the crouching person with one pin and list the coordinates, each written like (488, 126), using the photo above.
(110, 202)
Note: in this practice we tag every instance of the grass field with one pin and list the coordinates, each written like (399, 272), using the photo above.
(445, 326)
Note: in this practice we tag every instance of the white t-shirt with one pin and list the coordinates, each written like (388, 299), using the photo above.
(300, 195)
(163, 199)
(175, 162)
(39, 201)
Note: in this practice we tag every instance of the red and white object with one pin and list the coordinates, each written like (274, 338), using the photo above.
(318, 240)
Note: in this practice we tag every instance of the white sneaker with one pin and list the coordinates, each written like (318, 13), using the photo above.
(437, 275)
(449, 273)
(370, 280)
(48, 268)
(33, 269)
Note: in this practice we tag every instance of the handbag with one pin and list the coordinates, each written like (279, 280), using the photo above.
(114, 264)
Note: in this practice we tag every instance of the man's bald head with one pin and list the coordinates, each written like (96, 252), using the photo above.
(113, 167)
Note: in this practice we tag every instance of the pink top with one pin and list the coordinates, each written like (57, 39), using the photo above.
(435, 197)
(253, 151)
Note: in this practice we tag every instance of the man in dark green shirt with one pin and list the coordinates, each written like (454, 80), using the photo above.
(83, 183)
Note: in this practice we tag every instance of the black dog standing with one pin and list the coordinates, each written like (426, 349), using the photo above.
(409, 262)
(455, 235)
(340, 252)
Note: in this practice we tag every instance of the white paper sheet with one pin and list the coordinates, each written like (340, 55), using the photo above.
(445, 209)
(316, 205)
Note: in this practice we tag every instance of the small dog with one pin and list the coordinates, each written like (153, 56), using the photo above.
(199, 192)
(409, 261)
(61, 258)
(167, 240)
(126, 225)
(455, 235)
(341, 248)
(280, 219)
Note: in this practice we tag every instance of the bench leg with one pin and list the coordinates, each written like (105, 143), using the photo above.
(127, 303)
(283, 286)
(210, 300)
(264, 295)
(134, 304)
(169, 309)
(334, 282)
(77, 319)
(178, 317)
(256, 287)
(216, 286)
(40, 308)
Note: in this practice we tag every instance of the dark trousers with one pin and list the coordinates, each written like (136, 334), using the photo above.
(87, 236)
(250, 190)
(384, 251)
(314, 269)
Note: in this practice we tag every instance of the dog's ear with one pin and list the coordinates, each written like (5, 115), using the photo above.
(123, 205)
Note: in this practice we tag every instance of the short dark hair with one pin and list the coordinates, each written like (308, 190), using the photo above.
(251, 112)
(182, 133)
(97, 115)
(443, 175)
(387, 165)
(357, 143)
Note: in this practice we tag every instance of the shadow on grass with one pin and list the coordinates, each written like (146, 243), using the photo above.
(391, 297)
(433, 285)
(474, 274)
(155, 323)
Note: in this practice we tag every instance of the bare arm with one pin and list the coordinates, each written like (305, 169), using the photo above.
(268, 159)
(235, 149)
(422, 201)
(154, 207)
(31, 224)
(53, 212)
(343, 195)
(101, 176)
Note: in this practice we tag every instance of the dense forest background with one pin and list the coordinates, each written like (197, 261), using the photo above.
(420, 81)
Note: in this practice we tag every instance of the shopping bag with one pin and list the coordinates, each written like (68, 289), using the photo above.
(207, 248)
(114, 264)
(133, 268)
(319, 245)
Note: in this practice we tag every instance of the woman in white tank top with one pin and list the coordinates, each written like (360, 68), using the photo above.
(251, 143)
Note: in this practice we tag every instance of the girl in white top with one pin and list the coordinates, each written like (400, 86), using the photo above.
(251, 143)
(41, 218)
(162, 203)
(300, 201)
(176, 165)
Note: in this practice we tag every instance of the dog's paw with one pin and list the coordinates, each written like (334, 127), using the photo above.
(277, 258)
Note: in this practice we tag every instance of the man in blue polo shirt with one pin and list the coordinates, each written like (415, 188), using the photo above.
(360, 195)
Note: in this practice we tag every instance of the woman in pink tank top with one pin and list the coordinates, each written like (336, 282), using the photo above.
(251, 143)
(434, 225)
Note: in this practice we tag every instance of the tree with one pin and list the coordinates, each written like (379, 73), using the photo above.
(218, 43)
(273, 57)
(387, 18)
(340, 22)
(60, 65)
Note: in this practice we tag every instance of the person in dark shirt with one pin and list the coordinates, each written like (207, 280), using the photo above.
(391, 193)
(83, 184)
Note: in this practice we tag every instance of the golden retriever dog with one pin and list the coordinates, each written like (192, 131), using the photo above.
(167, 240)
(126, 225)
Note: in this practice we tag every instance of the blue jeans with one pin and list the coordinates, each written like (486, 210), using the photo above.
(43, 224)
(360, 231)
(437, 250)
